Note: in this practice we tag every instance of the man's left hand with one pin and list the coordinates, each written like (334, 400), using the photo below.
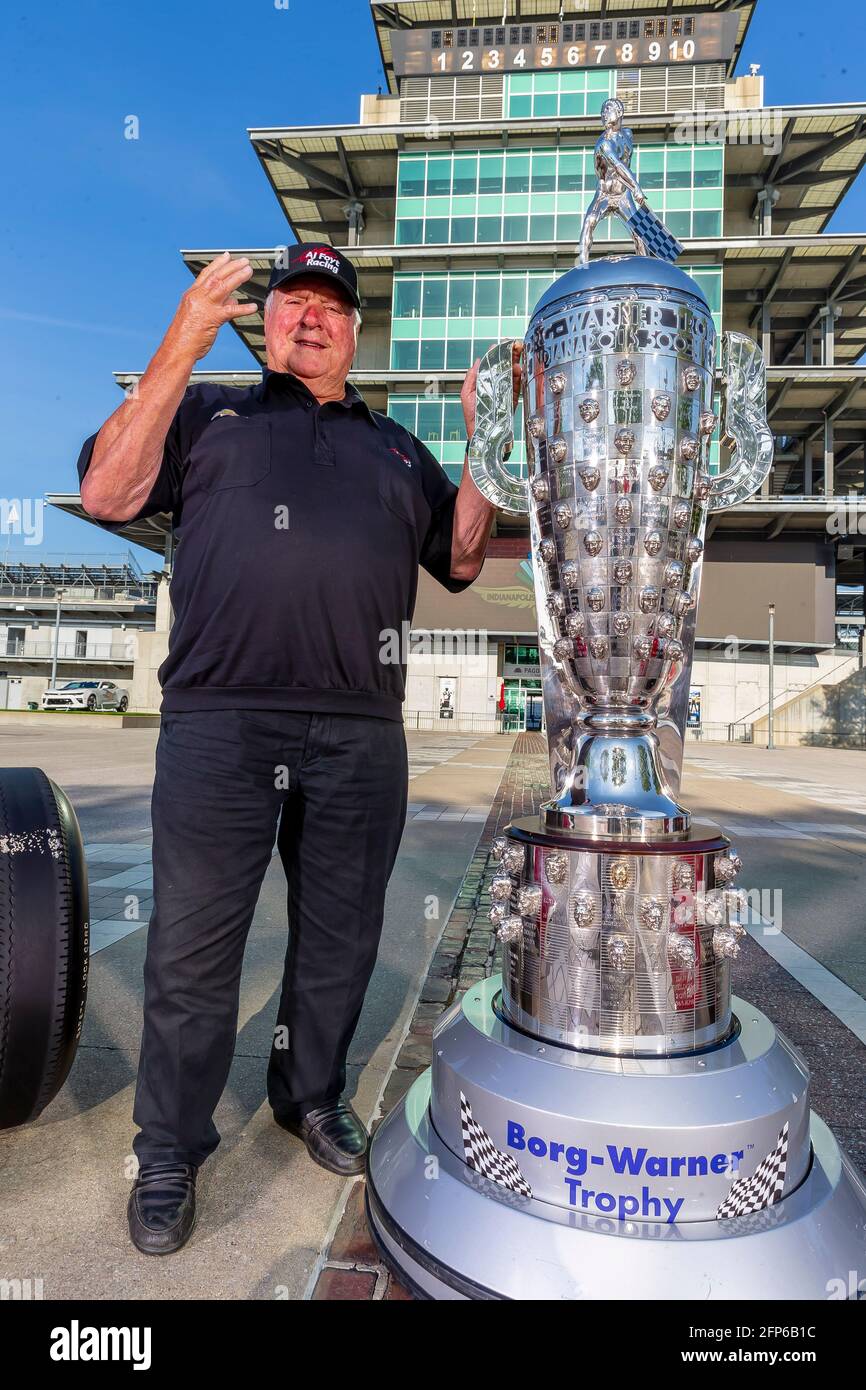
(470, 385)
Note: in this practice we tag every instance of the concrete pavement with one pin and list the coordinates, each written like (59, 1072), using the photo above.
(798, 818)
(266, 1210)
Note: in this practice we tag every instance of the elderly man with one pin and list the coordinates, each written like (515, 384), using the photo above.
(302, 517)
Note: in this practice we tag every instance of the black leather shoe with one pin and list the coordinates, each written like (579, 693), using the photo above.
(334, 1136)
(161, 1207)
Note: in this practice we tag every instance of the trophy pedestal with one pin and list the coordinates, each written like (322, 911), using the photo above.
(627, 1162)
(604, 1120)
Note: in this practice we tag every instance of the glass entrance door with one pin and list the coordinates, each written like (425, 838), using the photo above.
(524, 708)
(533, 710)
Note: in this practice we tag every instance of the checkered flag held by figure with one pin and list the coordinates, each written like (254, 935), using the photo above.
(483, 1156)
(763, 1188)
(654, 234)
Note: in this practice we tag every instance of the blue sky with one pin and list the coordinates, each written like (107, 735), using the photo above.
(92, 222)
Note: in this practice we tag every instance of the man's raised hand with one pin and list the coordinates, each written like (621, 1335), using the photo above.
(207, 305)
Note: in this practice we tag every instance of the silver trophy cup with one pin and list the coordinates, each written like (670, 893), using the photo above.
(617, 914)
(618, 403)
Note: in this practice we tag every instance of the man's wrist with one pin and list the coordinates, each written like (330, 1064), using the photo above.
(174, 355)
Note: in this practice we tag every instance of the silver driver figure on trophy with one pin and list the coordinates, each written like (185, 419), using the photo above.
(619, 193)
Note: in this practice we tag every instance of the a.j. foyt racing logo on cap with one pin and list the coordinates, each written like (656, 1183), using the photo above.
(320, 259)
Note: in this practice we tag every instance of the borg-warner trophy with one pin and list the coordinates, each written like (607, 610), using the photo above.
(605, 1120)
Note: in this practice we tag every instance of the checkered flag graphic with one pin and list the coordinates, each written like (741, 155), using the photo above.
(763, 1188)
(659, 242)
(483, 1156)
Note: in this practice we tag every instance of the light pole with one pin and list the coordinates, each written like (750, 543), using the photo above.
(771, 610)
(59, 598)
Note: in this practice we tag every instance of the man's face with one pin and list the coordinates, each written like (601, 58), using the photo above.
(310, 332)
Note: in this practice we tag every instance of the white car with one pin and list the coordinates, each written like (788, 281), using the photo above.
(86, 695)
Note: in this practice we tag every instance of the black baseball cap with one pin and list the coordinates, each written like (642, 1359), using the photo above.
(315, 258)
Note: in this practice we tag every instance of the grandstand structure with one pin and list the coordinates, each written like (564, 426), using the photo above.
(76, 616)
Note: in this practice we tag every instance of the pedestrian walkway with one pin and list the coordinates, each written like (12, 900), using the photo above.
(121, 898)
(432, 751)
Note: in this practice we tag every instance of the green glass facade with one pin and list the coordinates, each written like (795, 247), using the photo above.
(557, 93)
(536, 193)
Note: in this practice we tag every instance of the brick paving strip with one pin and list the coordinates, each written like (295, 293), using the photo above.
(468, 951)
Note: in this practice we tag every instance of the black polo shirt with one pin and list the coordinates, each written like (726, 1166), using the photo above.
(300, 529)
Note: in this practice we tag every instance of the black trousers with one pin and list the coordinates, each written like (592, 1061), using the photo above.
(331, 790)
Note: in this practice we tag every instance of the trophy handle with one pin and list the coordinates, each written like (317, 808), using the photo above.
(744, 422)
(493, 438)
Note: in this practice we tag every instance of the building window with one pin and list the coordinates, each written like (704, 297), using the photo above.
(520, 655)
(432, 354)
(460, 296)
(404, 356)
(558, 93)
(440, 425)
(409, 231)
(407, 298)
(707, 224)
(539, 194)
(436, 231)
(410, 178)
(491, 170)
(462, 229)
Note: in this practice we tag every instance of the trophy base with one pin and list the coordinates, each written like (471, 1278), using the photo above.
(617, 791)
(611, 979)
(608, 821)
(610, 1201)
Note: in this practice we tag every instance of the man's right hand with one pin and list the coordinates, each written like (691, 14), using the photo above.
(207, 305)
(127, 455)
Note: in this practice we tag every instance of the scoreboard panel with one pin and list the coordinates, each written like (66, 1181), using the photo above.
(556, 46)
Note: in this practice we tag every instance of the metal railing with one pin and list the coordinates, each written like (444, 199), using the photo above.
(79, 593)
(44, 651)
(746, 734)
(428, 721)
(78, 577)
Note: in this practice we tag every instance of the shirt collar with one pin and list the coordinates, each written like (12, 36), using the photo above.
(287, 381)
